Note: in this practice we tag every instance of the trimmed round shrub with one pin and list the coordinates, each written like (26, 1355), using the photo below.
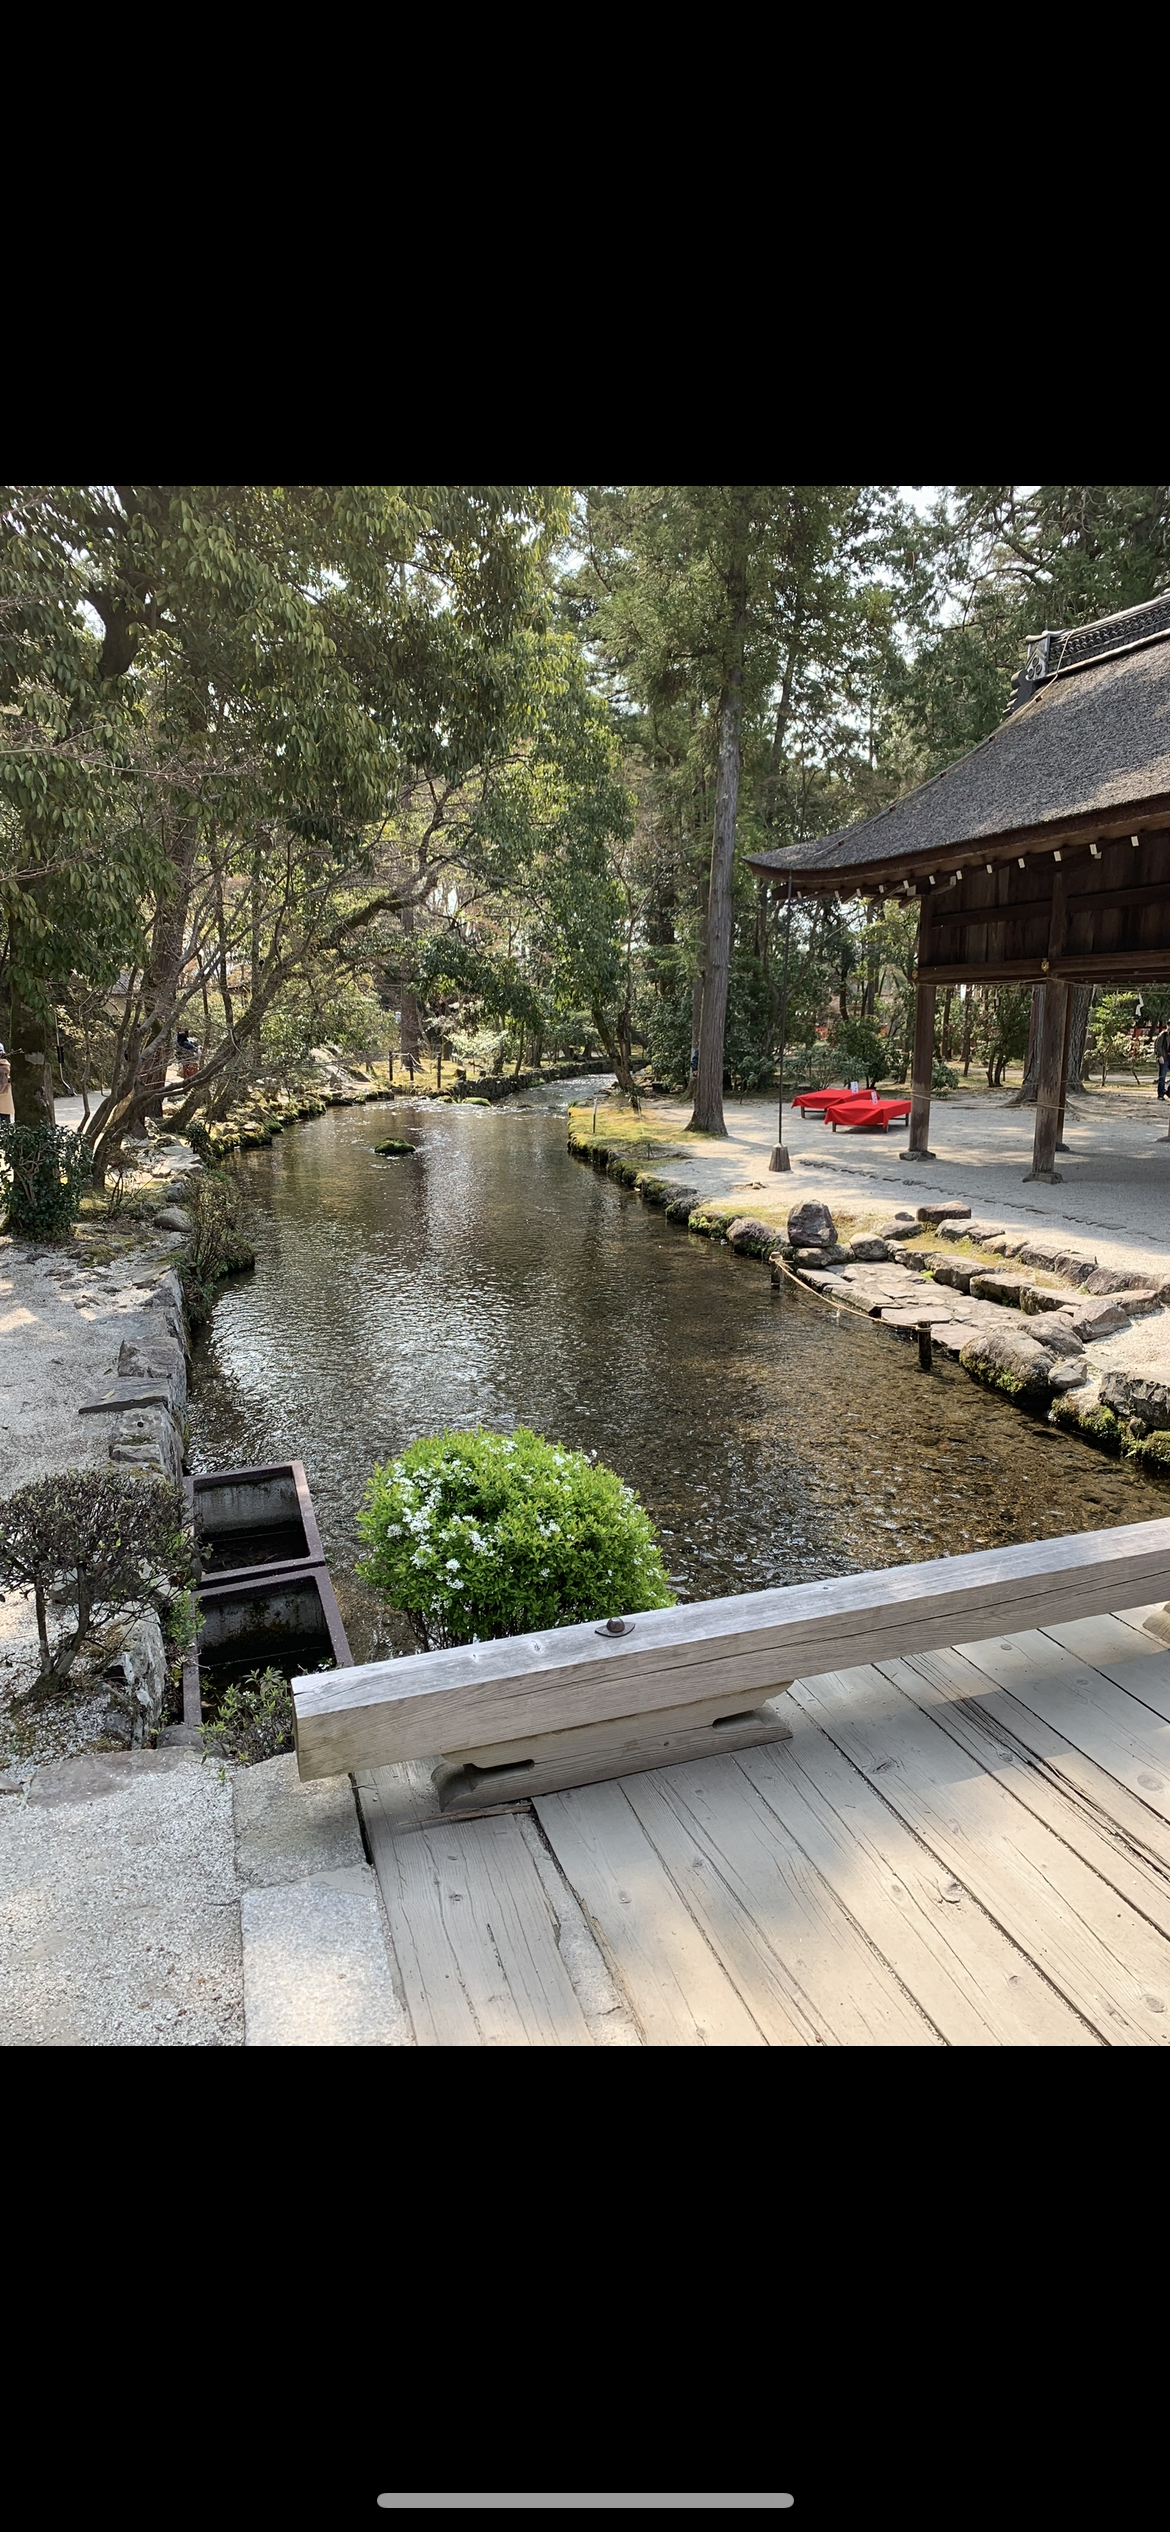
(473, 1535)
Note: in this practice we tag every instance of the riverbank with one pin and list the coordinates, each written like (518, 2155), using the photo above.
(1081, 1333)
(94, 1368)
(147, 1899)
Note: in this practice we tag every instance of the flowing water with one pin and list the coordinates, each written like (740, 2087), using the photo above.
(493, 1279)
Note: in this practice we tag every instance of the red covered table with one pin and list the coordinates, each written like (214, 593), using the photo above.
(810, 1102)
(866, 1116)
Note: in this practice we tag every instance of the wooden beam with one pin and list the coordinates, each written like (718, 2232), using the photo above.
(1078, 901)
(1078, 967)
(482, 1694)
(1068, 1012)
(1092, 827)
(979, 971)
(922, 1073)
(1049, 1100)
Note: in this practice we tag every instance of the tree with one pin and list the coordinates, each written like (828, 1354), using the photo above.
(996, 562)
(107, 1540)
(215, 694)
(734, 625)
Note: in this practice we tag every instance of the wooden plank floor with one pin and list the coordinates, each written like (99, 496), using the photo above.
(967, 1849)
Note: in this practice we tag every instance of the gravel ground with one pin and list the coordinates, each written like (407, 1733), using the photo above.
(1113, 1197)
(119, 1907)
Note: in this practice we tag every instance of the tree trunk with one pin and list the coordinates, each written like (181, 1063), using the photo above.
(945, 1039)
(255, 946)
(707, 1117)
(1049, 1098)
(1026, 1094)
(701, 969)
(161, 982)
(1078, 1032)
(921, 1074)
(616, 1043)
(32, 1071)
(409, 1029)
(968, 1011)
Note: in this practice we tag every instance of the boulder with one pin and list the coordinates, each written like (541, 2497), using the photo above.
(898, 1229)
(983, 1233)
(147, 1437)
(392, 1146)
(1116, 1279)
(869, 1250)
(1060, 1337)
(1042, 1253)
(681, 1205)
(711, 1220)
(174, 1217)
(1146, 1402)
(1092, 1319)
(834, 1256)
(1035, 1299)
(157, 1358)
(1074, 1268)
(1005, 1288)
(933, 1214)
(752, 1239)
(138, 1673)
(953, 1272)
(811, 1225)
(1013, 1363)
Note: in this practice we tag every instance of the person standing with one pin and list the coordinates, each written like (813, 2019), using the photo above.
(1162, 1057)
(7, 1107)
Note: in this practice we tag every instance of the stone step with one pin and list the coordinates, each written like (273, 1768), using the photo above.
(317, 1970)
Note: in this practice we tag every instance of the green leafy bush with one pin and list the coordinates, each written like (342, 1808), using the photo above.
(253, 1720)
(814, 1067)
(218, 1246)
(861, 1052)
(474, 1535)
(49, 1169)
(99, 1543)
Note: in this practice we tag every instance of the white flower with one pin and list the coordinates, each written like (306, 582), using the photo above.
(452, 1564)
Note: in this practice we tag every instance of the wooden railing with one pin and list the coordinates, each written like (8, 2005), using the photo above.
(706, 1661)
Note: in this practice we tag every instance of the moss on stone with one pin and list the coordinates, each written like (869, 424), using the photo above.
(710, 1222)
(1095, 1424)
(1154, 1450)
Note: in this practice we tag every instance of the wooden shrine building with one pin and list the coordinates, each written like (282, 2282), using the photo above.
(1043, 857)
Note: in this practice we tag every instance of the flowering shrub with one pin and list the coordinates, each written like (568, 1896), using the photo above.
(480, 1534)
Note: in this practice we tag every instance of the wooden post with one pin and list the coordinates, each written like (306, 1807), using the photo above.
(922, 1068)
(1069, 999)
(925, 1345)
(1048, 1087)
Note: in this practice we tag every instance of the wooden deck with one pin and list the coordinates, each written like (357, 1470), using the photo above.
(967, 1848)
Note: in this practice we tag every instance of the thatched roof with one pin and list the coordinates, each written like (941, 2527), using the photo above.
(1092, 743)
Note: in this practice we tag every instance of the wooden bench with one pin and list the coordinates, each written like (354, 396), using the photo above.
(536, 1713)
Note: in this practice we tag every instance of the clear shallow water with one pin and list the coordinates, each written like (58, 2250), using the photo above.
(494, 1279)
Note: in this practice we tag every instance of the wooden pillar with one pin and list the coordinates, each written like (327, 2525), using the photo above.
(1069, 1000)
(1053, 1054)
(921, 1071)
